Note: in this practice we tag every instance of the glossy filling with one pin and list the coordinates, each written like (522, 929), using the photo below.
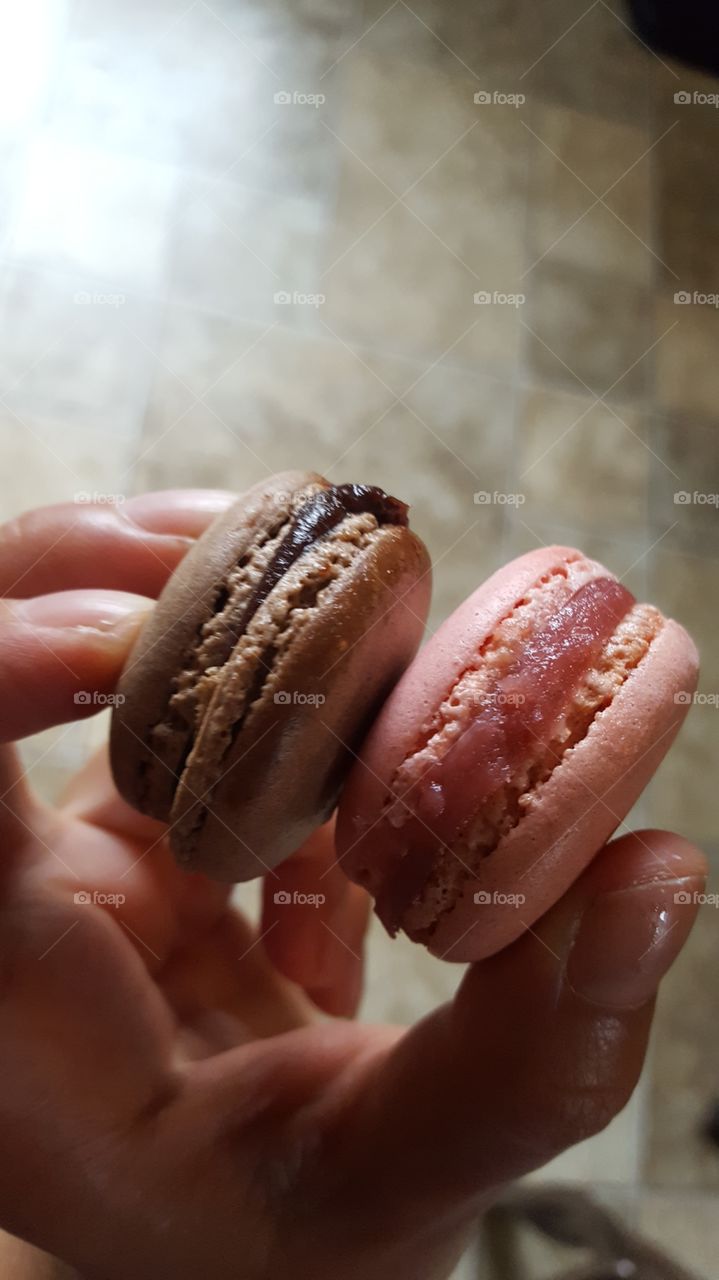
(516, 718)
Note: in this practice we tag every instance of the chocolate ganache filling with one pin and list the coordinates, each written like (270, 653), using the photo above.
(318, 516)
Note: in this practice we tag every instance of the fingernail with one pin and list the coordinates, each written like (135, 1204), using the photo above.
(628, 939)
(178, 512)
(111, 612)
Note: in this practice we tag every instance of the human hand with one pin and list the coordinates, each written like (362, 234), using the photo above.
(171, 1102)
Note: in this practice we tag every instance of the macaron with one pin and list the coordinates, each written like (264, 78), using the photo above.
(262, 665)
(511, 749)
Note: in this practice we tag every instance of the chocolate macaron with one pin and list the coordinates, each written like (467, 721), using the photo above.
(262, 666)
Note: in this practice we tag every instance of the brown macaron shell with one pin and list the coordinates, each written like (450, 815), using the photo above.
(256, 759)
(146, 750)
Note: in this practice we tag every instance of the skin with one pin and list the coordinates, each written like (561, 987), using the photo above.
(170, 1102)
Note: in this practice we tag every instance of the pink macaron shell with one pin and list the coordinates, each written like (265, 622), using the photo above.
(597, 783)
(397, 731)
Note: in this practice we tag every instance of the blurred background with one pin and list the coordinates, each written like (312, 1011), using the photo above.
(468, 252)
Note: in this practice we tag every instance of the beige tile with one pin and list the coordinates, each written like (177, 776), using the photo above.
(404, 274)
(592, 62)
(685, 1226)
(446, 450)
(576, 159)
(271, 400)
(399, 287)
(400, 117)
(55, 461)
(143, 93)
(496, 41)
(74, 351)
(589, 330)
(86, 211)
(236, 251)
(687, 244)
(687, 188)
(686, 1043)
(624, 556)
(681, 797)
(685, 587)
(685, 484)
(682, 159)
(579, 463)
(403, 982)
(335, 410)
(686, 358)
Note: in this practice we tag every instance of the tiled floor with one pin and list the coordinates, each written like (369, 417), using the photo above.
(239, 235)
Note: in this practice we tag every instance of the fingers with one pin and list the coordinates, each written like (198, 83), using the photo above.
(313, 923)
(61, 655)
(131, 546)
(542, 1046)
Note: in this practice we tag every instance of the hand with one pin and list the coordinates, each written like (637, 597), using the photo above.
(170, 1101)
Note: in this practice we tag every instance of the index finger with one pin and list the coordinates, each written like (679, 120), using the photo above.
(130, 546)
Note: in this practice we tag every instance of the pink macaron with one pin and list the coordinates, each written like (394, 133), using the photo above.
(510, 750)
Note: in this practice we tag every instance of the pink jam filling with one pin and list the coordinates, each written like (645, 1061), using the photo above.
(522, 709)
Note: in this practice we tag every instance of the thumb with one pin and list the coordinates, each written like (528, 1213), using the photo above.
(541, 1047)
